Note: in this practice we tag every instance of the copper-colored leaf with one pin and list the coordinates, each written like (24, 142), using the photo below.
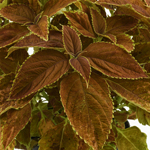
(35, 5)
(55, 40)
(41, 28)
(113, 61)
(147, 2)
(71, 41)
(127, 139)
(41, 69)
(19, 13)
(134, 91)
(11, 33)
(98, 21)
(16, 120)
(81, 64)
(89, 109)
(125, 41)
(53, 6)
(81, 21)
(119, 24)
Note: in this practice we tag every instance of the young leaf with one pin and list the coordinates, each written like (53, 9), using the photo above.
(81, 21)
(41, 28)
(54, 40)
(125, 41)
(134, 91)
(11, 33)
(16, 120)
(127, 139)
(19, 13)
(81, 64)
(71, 41)
(89, 109)
(41, 69)
(53, 6)
(99, 23)
(113, 61)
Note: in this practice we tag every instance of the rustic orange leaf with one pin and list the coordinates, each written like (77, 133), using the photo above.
(41, 69)
(54, 40)
(81, 21)
(119, 24)
(147, 2)
(99, 23)
(81, 64)
(16, 120)
(41, 28)
(89, 110)
(125, 41)
(71, 41)
(11, 33)
(19, 13)
(113, 61)
(53, 6)
(35, 5)
(21, 1)
(134, 91)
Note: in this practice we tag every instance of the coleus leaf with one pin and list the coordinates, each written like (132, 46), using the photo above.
(54, 40)
(53, 6)
(81, 21)
(16, 120)
(125, 41)
(134, 91)
(127, 139)
(11, 33)
(35, 5)
(113, 61)
(41, 69)
(19, 13)
(71, 41)
(81, 64)
(120, 23)
(89, 110)
(41, 28)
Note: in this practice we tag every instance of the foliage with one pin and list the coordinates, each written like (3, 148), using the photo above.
(71, 93)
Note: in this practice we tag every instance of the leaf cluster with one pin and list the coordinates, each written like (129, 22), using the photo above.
(86, 69)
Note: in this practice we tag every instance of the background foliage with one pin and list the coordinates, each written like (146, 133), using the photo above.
(86, 67)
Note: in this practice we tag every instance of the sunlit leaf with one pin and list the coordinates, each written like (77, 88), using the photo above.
(11, 33)
(81, 21)
(16, 120)
(19, 13)
(89, 109)
(120, 23)
(98, 21)
(41, 69)
(53, 6)
(113, 61)
(71, 41)
(41, 28)
(125, 41)
(134, 91)
(81, 64)
(127, 139)
(55, 40)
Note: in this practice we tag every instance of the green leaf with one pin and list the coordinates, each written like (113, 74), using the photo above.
(19, 13)
(131, 138)
(113, 61)
(53, 6)
(54, 40)
(81, 65)
(81, 21)
(41, 69)
(134, 91)
(3, 4)
(41, 28)
(11, 33)
(71, 41)
(16, 120)
(89, 110)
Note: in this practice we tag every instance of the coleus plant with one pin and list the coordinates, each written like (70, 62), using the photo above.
(71, 93)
